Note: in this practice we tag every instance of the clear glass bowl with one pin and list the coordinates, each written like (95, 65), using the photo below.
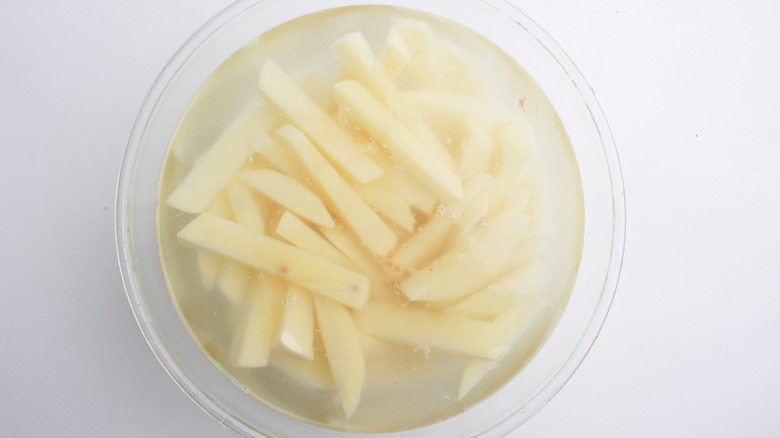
(579, 113)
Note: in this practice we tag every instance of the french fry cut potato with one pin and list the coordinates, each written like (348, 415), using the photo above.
(256, 331)
(410, 152)
(517, 146)
(309, 118)
(208, 268)
(213, 170)
(342, 346)
(276, 154)
(244, 206)
(312, 373)
(395, 54)
(403, 185)
(369, 228)
(275, 257)
(299, 234)
(415, 327)
(359, 61)
(296, 331)
(289, 193)
(388, 204)
(233, 280)
(477, 152)
(521, 320)
(490, 255)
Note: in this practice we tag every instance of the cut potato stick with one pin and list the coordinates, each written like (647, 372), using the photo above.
(296, 331)
(334, 142)
(270, 255)
(522, 320)
(516, 145)
(299, 234)
(490, 255)
(343, 350)
(423, 70)
(388, 204)
(288, 193)
(310, 373)
(233, 280)
(345, 242)
(369, 228)
(276, 154)
(256, 330)
(381, 124)
(244, 206)
(208, 268)
(403, 185)
(415, 327)
(213, 170)
(395, 54)
(360, 62)
(477, 153)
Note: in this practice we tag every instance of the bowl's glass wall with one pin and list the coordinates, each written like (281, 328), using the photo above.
(524, 41)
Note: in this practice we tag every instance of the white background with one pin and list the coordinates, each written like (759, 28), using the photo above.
(690, 348)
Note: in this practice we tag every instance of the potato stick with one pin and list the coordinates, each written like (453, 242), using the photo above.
(208, 262)
(477, 153)
(276, 154)
(496, 297)
(358, 216)
(244, 205)
(522, 320)
(270, 255)
(491, 254)
(213, 170)
(381, 124)
(299, 234)
(296, 331)
(403, 185)
(313, 374)
(288, 193)
(343, 350)
(415, 33)
(345, 242)
(423, 70)
(516, 145)
(415, 327)
(388, 204)
(334, 142)
(233, 280)
(256, 330)
(359, 60)
(395, 54)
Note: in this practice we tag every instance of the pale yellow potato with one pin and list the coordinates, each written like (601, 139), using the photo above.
(360, 62)
(299, 234)
(423, 69)
(340, 196)
(516, 145)
(394, 54)
(213, 170)
(296, 330)
(458, 275)
(276, 154)
(343, 350)
(407, 149)
(334, 142)
(311, 373)
(388, 204)
(208, 262)
(346, 243)
(522, 320)
(288, 193)
(244, 205)
(403, 185)
(417, 327)
(477, 152)
(255, 333)
(233, 280)
(261, 252)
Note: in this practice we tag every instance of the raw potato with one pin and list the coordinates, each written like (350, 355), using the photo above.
(233, 280)
(312, 120)
(521, 320)
(272, 256)
(388, 204)
(213, 170)
(312, 373)
(289, 193)
(422, 327)
(296, 331)
(377, 236)
(395, 54)
(256, 331)
(244, 206)
(410, 152)
(403, 185)
(299, 234)
(342, 346)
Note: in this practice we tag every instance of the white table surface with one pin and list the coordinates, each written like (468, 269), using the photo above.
(690, 348)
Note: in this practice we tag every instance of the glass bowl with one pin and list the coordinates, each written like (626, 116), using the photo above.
(579, 113)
